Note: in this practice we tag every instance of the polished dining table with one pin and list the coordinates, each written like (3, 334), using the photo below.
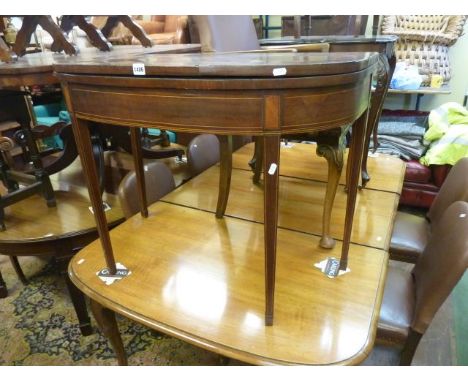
(260, 94)
(201, 279)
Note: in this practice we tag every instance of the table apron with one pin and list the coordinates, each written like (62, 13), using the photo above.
(233, 112)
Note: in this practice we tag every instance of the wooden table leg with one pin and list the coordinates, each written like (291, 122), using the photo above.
(354, 167)
(79, 303)
(83, 143)
(225, 171)
(257, 160)
(135, 138)
(63, 254)
(105, 319)
(385, 70)
(271, 145)
(331, 146)
(19, 272)
(3, 288)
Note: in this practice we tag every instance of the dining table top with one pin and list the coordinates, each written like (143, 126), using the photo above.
(201, 279)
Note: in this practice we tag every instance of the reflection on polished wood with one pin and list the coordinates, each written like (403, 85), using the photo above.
(32, 220)
(210, 291)
(300, 205)
(301, 161)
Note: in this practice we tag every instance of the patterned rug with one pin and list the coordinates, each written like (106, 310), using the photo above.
(38, 326)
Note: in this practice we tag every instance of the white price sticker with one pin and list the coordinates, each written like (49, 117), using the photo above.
(272, 169)
(279, 72)
(139, 69)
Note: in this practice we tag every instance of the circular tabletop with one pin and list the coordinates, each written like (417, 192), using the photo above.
(30, 220)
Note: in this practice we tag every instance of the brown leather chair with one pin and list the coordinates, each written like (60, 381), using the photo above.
(412, 298)
(158, 181)
(411, 233)
(202, 153)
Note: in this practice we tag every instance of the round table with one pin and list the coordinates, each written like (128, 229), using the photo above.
(33, 229)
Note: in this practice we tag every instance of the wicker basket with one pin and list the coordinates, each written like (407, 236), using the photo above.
(424, 41)
(430, 58)
(431, 29)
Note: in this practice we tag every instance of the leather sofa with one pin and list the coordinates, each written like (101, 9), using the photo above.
(160, 29)
(165, 29)
(421, 183)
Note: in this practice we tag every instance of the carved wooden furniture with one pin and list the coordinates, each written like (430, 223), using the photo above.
(30, 23)
(384, 45)
(35, 230)
(60, 38)
(99, 38)
(203, 282)
(412, 298)
(16, 104)
(53, 160)
(226, 94)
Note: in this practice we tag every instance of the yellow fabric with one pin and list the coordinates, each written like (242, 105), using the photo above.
(447, 135)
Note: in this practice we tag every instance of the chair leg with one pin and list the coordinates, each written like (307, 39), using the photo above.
(410, 347)
(16, 266)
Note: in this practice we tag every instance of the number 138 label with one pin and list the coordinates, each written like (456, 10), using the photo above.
(139, 69)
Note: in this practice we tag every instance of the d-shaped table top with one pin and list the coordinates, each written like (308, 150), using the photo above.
(235, 64)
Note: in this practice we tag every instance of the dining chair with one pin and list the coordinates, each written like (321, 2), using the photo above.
(202, 153)
(412, 298)
(158, 182)
(411, 232)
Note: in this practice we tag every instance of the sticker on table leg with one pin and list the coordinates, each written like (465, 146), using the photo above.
(272, 169)
(122, 271)
(331, 267)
